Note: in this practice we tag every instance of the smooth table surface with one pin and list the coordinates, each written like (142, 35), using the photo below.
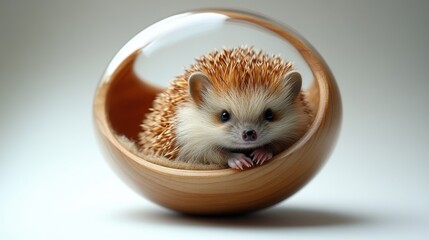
(55, 184)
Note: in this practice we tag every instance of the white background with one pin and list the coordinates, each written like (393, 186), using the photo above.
(55, 184)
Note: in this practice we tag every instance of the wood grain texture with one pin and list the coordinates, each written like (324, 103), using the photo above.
(122, 99)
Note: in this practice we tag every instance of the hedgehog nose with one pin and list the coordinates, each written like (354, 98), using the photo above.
(249, 135)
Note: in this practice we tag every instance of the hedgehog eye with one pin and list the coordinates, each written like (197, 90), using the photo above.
(268, 115)
(225, 116)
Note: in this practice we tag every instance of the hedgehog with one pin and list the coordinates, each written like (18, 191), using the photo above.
(233, 108)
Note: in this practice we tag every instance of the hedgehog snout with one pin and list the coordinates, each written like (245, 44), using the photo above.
(249, 135)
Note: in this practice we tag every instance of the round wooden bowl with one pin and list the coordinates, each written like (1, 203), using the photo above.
(122, 99)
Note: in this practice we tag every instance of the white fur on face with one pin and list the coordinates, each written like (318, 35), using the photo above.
(200, 130)
(197, 135)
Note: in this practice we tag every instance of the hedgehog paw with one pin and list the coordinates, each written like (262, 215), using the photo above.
(239, 161)
(261, 155)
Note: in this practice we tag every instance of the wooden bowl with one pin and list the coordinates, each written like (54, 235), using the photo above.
(122, 99)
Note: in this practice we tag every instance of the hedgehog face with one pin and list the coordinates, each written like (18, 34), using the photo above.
(251, 120)
(245, 118)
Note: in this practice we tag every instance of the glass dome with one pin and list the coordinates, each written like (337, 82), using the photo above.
(172, 44)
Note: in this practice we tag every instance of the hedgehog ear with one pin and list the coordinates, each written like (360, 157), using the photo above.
(198, 86)
(293, 83)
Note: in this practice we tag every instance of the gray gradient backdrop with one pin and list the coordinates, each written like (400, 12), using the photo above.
(54, 183)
